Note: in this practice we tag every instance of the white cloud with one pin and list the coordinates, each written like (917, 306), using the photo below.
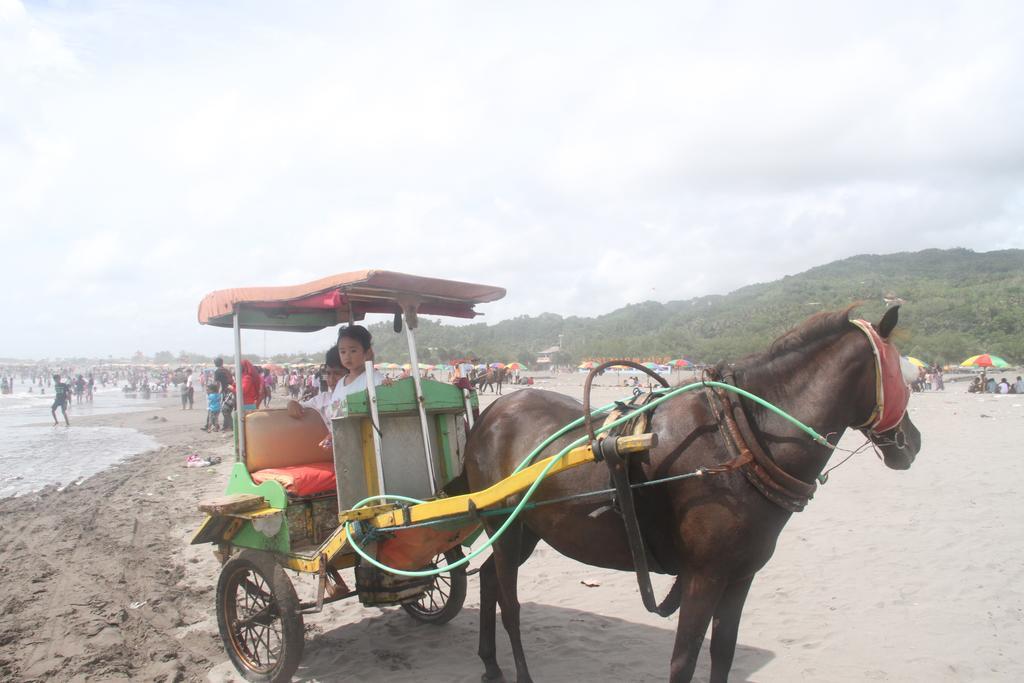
(575, 153)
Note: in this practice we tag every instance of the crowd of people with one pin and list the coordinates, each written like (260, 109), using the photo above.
(929, 379)
(983, 384)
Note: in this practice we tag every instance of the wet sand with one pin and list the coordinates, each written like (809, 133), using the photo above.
(887, 576)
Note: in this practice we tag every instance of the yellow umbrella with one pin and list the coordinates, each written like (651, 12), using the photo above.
(918, 363)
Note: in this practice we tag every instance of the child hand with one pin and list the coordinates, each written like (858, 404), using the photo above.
(327, 443)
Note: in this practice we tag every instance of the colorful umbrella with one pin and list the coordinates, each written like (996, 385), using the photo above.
(407, 366)
(390, 366)
(516, 366)
(679, 363)
(915, 361)
(442, 367)
(985, 360)
(497, 366)
(587, 365)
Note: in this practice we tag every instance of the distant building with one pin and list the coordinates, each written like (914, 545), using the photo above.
(545, 359)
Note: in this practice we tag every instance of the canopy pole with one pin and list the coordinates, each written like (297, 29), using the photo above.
(420, 401)
(375, 427)
(466, 394)
(239, 405)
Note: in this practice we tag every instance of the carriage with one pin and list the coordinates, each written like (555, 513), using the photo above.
(376, 499)
(409, 481)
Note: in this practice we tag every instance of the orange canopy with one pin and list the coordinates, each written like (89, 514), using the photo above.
(340, 298)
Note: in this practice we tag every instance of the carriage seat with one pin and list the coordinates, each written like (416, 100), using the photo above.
(280, 448)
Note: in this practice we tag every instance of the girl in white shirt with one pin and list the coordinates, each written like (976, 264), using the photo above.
(321, 402)
(355, 346)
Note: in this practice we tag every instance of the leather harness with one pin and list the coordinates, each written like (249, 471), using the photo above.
(750, 458)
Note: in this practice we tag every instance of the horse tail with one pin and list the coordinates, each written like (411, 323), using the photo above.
(671, 602)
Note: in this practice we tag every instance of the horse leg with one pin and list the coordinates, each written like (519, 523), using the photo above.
(510, 552)
(699, 601)
(725, 628)
(488, 622)
(512, 549)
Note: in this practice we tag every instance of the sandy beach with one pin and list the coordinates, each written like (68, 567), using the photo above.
(886, 576)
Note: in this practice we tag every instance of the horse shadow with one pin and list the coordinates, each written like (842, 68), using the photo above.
(562, 644)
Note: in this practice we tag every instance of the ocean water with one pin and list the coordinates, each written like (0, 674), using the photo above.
(34, 453)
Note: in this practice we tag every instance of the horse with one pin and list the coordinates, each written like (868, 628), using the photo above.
(713, 532)
(489, 379)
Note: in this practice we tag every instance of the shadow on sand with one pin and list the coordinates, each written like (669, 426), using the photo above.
(561, 645)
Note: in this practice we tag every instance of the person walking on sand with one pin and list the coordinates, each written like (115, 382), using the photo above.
(213, 405)
(190, 383)
(221, 375)
(61, 399)
(252, 387)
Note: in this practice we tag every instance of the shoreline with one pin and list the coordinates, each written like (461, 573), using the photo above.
(889, 575)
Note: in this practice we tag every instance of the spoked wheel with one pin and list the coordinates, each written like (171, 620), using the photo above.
(259, 619)
(443, 600)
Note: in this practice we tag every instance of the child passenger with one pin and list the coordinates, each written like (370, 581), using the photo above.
(322, 401)
(355, 347)
(213, 407)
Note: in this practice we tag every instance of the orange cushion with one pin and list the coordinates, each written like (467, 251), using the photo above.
(300, 480)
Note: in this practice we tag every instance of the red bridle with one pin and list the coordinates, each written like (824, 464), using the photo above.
(891, 392)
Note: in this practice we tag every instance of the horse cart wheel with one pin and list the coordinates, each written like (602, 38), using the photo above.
(259, 619)
(443, 600)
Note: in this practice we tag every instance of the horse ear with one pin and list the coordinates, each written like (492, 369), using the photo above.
(888, 323)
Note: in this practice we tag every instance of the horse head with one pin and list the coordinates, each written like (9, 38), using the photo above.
(889, 426)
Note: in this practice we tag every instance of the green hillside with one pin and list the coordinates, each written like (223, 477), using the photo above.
(957, 303)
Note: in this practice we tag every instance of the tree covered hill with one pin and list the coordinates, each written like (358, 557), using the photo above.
(956, 303)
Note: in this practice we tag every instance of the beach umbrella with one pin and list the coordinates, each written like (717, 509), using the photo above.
(516, 366)
(587, 365)
(391, 366)
(650, 366)
(679, 363)
(985, 360)
(407, 366)
(427, 366)
(497, 366)
(442, 367)
(915, 361)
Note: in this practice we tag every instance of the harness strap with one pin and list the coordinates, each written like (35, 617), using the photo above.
(619, 472)
(640, 423)
(758, 467)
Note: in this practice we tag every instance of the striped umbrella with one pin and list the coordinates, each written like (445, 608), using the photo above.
(985, 360)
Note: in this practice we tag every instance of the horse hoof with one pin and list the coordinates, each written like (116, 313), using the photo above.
(492, 678)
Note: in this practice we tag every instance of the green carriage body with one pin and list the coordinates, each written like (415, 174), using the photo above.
(307, 522)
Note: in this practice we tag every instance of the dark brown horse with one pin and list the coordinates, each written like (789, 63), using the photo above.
(712, 532)
(491, 378)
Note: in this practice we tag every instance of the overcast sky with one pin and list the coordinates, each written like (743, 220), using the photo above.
(582, 155)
